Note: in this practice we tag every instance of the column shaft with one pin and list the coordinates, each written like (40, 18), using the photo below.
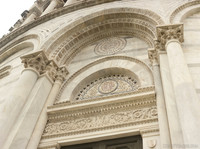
(41, 123)
(186, 98)
(171, 107)
(12, 106)
(162, 114)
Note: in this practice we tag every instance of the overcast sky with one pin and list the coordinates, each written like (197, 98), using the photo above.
(10, 12)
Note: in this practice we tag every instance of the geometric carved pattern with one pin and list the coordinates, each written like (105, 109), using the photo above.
(110, 46)
(109, 85)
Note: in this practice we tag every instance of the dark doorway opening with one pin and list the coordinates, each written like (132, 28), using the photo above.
(134, 142)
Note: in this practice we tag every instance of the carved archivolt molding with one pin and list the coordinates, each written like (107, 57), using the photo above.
(78, 38)
(181, 8)
(69, 9)
(70, 54)
(98, 62)
(5, 71)
(39, 62)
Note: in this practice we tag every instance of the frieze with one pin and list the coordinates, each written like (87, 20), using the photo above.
(100, 121)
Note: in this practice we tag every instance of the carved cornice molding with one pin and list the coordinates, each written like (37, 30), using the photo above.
(39, 62)
(181, 8)
(99, 117)
(166, 33)
(100, 61)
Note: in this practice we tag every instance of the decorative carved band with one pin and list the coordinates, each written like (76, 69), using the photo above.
(117, 114)
(166, 33)
(153, 56)
(41, 64)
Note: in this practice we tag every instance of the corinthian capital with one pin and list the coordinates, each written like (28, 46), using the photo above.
(168, 32)
(51, 70)
(153, 56)
(37, 61)
(61, 74)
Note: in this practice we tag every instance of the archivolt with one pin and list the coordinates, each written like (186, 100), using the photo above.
(76, 74)
(136, 22)
(20, 44)
(184, 11)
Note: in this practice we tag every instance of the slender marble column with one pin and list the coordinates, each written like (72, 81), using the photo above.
(175, 129)
(53, 5)
(30, 18)
(41, 123)
(162, 114)
(187, 100)
(11, 107)
(185, 94)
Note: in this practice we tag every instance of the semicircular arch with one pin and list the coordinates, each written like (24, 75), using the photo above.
(140, 70)
(137, 22)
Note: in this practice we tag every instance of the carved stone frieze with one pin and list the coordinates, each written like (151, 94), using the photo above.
(65, 121)
(99, 121)
(166, 33)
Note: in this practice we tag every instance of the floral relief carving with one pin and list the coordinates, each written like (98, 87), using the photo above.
(100, 121)
(166, 33)
(39, 62)
(109, 85)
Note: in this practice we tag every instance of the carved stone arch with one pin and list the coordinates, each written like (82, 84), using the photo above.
(137, 22)
(30, 41)
(133, 67)
(183, 11)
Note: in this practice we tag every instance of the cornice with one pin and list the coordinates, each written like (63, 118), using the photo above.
(49, 16)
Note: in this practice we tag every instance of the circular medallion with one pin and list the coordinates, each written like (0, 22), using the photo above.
(110, 46)
(108, 86)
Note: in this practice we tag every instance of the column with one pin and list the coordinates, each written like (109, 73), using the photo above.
(69, 2)
(27, 119)
(12, 106)
(53, 5)
(162, 114)
(185, 94)
(30, 18)
(41, 123)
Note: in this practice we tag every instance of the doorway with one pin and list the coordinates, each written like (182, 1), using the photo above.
(134, 142)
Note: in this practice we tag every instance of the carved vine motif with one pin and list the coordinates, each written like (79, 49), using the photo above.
(100, 121)
(109, 85)
(110, 46)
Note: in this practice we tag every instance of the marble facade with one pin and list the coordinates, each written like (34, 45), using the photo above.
(81, 71)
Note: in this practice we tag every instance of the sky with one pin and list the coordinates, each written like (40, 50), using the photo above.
(10, 12)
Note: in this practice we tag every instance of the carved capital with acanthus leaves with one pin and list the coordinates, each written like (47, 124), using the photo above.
(61, 74)
(153, 56)
(51, 70)
(166, 33)
(37, 61)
